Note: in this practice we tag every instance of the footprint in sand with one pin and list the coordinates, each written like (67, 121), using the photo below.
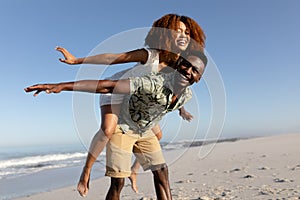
(249, 176)
(264, 168)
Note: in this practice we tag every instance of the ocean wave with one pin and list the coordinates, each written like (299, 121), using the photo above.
(39, 160)
(31, 164)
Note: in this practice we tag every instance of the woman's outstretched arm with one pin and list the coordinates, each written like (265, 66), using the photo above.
(139, 55)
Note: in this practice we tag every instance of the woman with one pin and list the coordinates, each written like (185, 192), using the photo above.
(163, 49)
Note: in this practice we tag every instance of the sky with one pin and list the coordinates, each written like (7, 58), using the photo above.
(253, 48)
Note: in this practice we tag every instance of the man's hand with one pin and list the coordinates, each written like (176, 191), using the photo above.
(185, 114)
(48, 88)
(69, 58)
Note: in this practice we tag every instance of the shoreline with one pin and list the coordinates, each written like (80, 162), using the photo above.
(17, 187)
(251, 168)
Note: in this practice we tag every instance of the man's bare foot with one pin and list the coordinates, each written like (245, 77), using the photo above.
(84, 181)
(132, 179)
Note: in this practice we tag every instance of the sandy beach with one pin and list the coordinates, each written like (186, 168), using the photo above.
(257, 168)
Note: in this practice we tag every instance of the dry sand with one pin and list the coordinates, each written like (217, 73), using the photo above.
(259, 168)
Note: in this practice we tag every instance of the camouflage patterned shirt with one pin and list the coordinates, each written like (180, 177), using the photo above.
(149, 100)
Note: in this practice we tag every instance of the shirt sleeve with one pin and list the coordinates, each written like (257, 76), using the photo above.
(187, 96)
(149, 56)
(153, 57)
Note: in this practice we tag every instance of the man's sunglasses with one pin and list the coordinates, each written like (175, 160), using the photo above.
(185, 63)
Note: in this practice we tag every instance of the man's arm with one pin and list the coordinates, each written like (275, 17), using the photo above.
(91, 86)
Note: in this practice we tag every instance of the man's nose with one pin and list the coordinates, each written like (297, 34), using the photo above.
(189, 70)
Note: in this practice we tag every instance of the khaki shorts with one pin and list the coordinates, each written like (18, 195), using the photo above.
(121, 146)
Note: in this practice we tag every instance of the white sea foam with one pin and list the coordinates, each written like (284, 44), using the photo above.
(35, 160)
(31, 164)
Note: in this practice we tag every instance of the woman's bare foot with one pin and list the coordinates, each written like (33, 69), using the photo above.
(132, 179)
(84, 181)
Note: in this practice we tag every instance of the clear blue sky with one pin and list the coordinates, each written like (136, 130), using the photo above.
(255, 45)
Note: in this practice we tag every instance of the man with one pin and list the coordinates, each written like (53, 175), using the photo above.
(151, 97)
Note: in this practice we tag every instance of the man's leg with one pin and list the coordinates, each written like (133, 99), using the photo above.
(136, 165)
(149, 154)
(118, 161)
(115, 189)
(161, 183)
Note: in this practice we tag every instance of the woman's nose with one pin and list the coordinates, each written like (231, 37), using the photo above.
(182, 34)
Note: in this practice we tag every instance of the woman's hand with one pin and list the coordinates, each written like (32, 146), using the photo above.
(69, 58)
(185, 114)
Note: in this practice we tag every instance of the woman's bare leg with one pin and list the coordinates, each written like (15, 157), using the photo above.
(134, 169)
(109, 118)
(136, 165)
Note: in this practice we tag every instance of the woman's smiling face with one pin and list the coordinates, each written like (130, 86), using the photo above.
(182, 37)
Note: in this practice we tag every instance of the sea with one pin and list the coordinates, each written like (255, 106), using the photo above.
(28, 170)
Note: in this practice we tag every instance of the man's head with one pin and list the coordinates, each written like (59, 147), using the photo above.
(191, 68)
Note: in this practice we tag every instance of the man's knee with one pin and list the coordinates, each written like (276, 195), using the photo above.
(158, 167)
(115, 189)
(160, 171)
(118, 183)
